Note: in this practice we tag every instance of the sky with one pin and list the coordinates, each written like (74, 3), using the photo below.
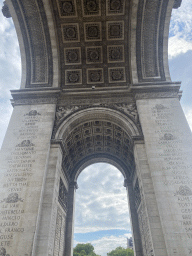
(101, 213)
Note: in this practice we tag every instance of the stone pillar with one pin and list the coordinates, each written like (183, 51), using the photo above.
(153, 242)
(23, 168)
(134, 219)
(70, 219)
(47, 226)
(168, 142)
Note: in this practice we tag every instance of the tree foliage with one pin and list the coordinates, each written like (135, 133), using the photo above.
(84, 250)
(120, 251)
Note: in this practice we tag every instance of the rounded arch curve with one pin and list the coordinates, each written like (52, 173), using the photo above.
(99, 158)
(95, 135)
(107, 114)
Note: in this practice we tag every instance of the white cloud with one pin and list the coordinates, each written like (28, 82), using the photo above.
(178, 45)
(101, 200)
(180, 40)
(108, 243)
(10, 69)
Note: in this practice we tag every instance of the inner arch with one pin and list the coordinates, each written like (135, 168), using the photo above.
(101, 209)
(95, 140)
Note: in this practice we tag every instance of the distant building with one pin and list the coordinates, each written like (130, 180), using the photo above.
(130, 243)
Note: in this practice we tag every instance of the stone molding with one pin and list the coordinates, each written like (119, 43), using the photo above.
(30, 97)
(34, 101)
(152, 95)
(138, 139)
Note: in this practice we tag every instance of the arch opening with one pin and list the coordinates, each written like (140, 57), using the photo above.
(94, 136)
(101, 208)
(97, 135)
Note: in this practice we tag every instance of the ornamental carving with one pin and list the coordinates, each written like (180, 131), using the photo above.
(115, 7)
(73, 76)
(25, 143)
(96, 137)
(70, 32)
(115, 30)
(91, 7)
(64, 111)
(67, 8)
(94, 76)
(72, 55)
(159, 107)
(12, 198)
(93, 31)
(62, 195)
(117, 75)
(145, 231)
(184, 191)
(137, 194)
(3, 252)
(32, 113)
(94, 55)
(129, 109)
(168, 136)
(115, 53)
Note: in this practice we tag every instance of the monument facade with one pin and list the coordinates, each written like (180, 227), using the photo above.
(95, 88)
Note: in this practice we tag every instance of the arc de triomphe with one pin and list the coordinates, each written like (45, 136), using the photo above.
(95, 88)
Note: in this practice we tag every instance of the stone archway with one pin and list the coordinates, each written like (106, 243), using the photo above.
(94, 135)
(102, 71)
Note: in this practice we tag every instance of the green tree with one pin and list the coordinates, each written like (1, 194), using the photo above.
(120, 251)
(84, 250)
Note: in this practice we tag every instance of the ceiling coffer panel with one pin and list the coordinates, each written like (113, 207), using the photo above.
(93, 36)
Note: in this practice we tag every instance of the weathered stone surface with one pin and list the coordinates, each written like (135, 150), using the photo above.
(24, 157)
(95, 87)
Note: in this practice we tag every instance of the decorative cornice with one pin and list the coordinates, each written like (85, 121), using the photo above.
(169, 90)
(137, 138)
(30, 97)
(152, 95)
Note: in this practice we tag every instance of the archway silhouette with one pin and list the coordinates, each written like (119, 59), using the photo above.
(101, 208)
